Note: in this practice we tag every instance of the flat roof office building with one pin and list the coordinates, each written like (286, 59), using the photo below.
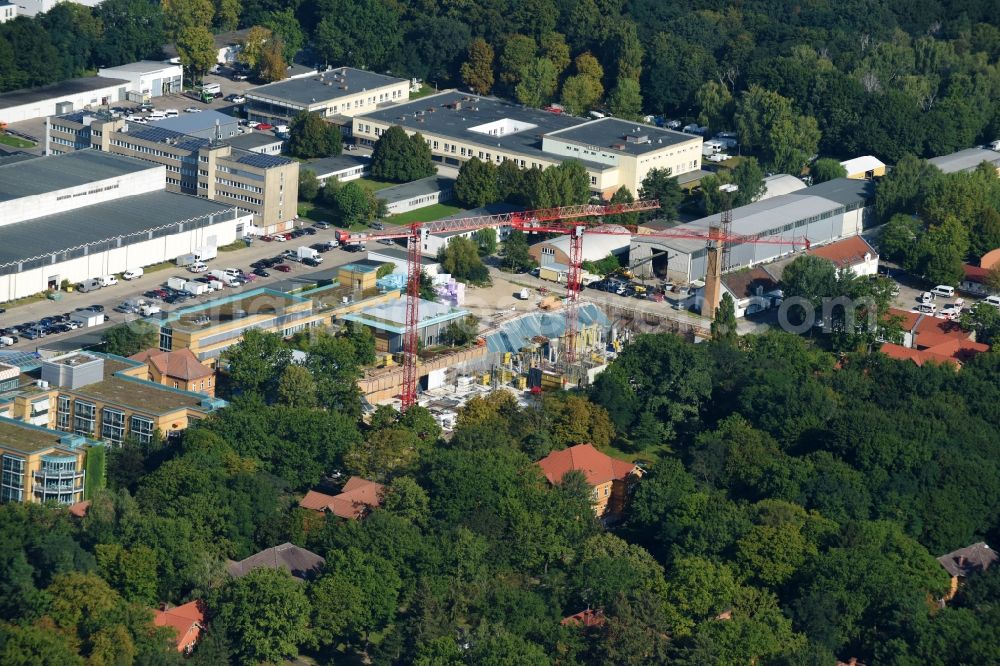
(336, 93)
(459, 126)
(265, 186)
(147, 78)
(87, 214)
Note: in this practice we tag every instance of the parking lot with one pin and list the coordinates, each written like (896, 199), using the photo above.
(109, 298)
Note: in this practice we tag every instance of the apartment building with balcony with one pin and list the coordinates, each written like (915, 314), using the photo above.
(40, 465)
(265, 186)
(102, 397)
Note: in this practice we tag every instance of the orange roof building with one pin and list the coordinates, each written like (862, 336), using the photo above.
(357, 498)
(931, 339)
(852, 252)
(611, 478)
(179, 369)
(187, 621)
(585, 618)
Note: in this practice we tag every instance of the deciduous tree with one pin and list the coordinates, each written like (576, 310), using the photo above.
(826, 168)
(476, 185)
(477, 70)
(266, 614)
(311, 136)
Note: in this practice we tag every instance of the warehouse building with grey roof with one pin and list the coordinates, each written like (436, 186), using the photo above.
(87, 214)
(819, 214)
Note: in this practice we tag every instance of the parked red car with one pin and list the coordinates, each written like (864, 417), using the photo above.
(284, 268)
(267, 238)
(265, 126)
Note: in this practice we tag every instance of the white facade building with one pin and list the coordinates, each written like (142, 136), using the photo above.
(8, 11)
(86, 214)
(61, 98)
(147, 79)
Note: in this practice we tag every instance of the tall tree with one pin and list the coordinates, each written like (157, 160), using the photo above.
(255, 364)
(625, 101)
(660, 184)
(515, 252)
(252, 46)
(358, 33)
(196, 47)
(311, 136)
(516, 60)
(538, 85)
(724, 323)
(296, 387)
(476, 184)
(477, 70)
(285, 27)
(133, 30)
(179, 15)
(748, 177)
(131, 338)
(767, 123)
(826, 168)
(266, 614)
(401, 158)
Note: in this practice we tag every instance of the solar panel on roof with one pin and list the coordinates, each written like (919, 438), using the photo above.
(263, 161)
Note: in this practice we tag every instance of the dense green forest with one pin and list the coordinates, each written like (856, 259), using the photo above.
(800, 495)
(885, 77)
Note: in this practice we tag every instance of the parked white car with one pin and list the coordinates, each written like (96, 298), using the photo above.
(925, 297)
(952, 310)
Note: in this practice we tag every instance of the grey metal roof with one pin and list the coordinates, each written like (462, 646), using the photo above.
(315, 89)
(761, 216)
(327, 166)
(188, 123)
(251, 140)
(56, 172)
(108, 220)
(516, 334)
(434, 115)
(140, 67)
(622, 136)
(416, 188)
(57, 90)
(966, 160)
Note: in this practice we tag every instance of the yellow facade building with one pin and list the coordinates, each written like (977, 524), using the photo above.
(40, 465)
(459, 126)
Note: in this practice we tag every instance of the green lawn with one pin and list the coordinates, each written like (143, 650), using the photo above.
(425, 90)
(374, 185)
(16, 142)
(428, 214)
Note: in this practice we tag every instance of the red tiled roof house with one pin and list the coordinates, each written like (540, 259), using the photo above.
(357, 498)
(187, 621)
(611, 479)
(179, 369)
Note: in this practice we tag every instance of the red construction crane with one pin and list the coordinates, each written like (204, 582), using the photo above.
(544, 221)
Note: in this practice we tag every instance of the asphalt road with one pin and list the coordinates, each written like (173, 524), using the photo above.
(110, 297)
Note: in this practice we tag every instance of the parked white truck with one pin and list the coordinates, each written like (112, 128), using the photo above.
(225, 278)
(308, 253)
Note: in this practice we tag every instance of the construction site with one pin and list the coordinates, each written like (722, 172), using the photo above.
(525, 338)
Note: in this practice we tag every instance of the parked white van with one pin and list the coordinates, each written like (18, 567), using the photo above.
(171, 113)
(156, 114)
(992, 300)
(943, 290)
(198, 267)
(109, 281)
(132, 274)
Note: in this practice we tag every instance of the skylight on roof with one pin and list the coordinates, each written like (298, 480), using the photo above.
(502, 127)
